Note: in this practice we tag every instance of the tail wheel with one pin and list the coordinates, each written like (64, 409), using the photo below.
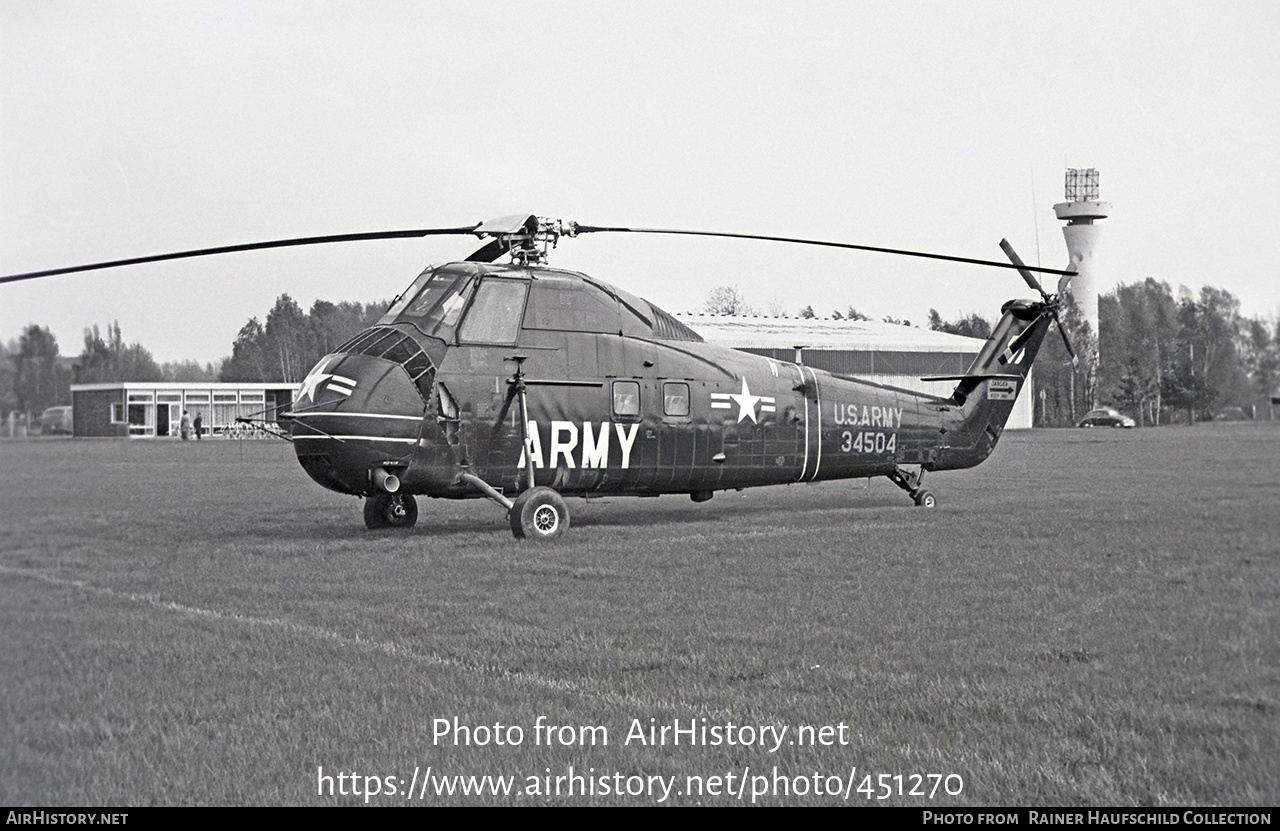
(390, 510)
(539, 514)
(925, 499)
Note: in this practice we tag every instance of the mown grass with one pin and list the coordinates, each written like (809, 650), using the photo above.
(1090, 618)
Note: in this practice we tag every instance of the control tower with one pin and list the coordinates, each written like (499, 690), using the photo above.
(1081, 211)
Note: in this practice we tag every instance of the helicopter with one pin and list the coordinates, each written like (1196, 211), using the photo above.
(522, 384)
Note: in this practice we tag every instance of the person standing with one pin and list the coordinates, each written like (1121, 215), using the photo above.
(198, 424)
(184, 426)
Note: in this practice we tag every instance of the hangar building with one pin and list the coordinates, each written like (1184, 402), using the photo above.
(884, 353)
(147, 409)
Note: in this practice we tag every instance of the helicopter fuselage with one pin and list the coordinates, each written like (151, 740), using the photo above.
(621, 399)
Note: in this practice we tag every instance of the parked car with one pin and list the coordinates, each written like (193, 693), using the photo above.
(56, 421)
(1106, 417)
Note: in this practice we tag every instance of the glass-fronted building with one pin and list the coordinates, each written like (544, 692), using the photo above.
(151, 409)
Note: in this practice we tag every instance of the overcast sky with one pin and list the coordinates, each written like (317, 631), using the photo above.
(132, 128)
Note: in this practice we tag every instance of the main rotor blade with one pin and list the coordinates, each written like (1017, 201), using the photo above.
(588, 229)
(250, 246)
(1022, 268)
(490, 251)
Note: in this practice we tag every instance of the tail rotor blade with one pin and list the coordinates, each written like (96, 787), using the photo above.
(1035, 284)
(1066, 341)
(1022, 268)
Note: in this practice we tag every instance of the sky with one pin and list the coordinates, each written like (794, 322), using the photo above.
(135, 128)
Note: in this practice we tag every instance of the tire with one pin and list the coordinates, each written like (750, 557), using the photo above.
(926, 499)
(539, 514)
(390, 510)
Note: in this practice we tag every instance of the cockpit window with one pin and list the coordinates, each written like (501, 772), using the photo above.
(494, 316)
(431, 294)
(435, 301)
(441, 319)
(405, 299)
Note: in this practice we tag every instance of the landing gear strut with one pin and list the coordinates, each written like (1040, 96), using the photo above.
(539, 512)
(909, 481)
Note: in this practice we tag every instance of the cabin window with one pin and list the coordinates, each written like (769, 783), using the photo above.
(675, 398)
(494, 316)
(568, 305)
(626, 398)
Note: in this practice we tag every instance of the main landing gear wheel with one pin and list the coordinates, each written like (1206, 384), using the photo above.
(925, 499)
(390, 510)
(539, 514)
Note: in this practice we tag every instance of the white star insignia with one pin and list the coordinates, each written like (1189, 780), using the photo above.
(746, 402)
(309, 385)
(316, 377)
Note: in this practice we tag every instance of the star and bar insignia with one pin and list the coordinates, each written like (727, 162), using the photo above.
(746, 402)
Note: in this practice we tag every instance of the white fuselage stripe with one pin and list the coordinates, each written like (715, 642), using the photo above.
(358, 438)
(358, 415)
(817, 406)
(805, 468)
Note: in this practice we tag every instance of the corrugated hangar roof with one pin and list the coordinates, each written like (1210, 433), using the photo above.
(824, 333)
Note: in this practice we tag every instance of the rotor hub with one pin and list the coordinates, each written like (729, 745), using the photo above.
(527, 238)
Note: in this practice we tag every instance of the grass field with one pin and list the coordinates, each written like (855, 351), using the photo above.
(1089, 618)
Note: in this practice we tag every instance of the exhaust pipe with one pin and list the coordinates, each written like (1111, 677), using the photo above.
(388, 482)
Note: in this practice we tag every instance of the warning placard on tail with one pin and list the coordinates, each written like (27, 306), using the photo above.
(1001, 390)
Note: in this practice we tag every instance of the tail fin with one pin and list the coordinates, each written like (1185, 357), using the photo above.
(989, 388)
(1007, 355)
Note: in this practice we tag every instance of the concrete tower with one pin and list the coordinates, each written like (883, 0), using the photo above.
(1081, 211)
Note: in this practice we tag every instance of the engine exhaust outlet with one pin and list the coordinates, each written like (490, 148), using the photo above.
(388, 482)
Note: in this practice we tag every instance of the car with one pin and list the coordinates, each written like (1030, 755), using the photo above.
(1106, 417)
(56, 421)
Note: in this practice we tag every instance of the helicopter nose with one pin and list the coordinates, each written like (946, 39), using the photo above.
(356, 416)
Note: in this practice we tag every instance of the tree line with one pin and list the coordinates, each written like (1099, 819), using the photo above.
(35, 375)
(1165, 356)
(291, 341)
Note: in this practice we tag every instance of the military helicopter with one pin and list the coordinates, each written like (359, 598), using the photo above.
(523, 384)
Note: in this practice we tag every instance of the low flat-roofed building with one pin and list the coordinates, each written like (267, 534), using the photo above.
(147, 409)
(884, 353)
